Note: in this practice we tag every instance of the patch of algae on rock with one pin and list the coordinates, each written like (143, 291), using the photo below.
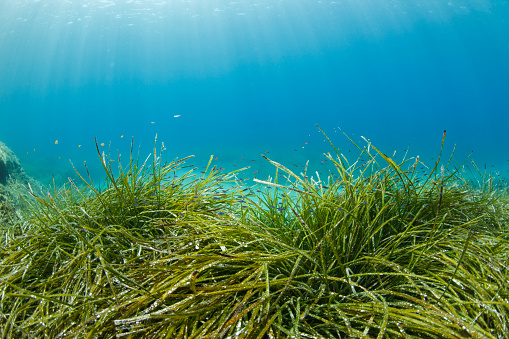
(13, 181)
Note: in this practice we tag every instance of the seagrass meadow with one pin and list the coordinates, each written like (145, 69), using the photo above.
(159, 250)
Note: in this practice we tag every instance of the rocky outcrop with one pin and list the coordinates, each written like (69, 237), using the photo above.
(10, 166)
(13, 181)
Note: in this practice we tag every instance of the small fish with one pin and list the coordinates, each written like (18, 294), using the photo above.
(56, 142)
(176, 116)
(152, 122)
(102, 143)
(79, 146)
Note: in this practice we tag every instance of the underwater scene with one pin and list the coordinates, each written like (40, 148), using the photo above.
(254, 169)
(237, 79)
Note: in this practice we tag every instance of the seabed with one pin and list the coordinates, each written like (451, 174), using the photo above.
(375, 251)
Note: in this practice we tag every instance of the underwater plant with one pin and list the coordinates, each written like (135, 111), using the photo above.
(376, 250)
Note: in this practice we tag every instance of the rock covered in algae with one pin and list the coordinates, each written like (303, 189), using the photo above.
(10, 166)
(13, 181)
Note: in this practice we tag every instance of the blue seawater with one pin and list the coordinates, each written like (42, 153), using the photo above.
(237, 79)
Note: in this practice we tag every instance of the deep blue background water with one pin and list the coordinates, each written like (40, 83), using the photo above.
(248, 77)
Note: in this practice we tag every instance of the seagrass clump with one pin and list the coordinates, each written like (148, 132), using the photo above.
(375, 250)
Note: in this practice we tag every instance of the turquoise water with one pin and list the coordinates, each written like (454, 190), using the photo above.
(237, 79)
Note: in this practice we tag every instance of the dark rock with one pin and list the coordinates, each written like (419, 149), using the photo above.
(13, 183)
(10, 167)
